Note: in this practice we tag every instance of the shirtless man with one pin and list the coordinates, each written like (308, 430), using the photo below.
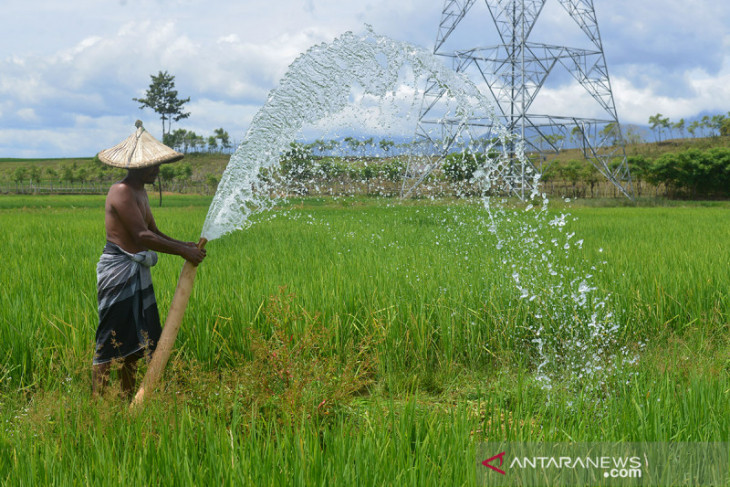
(129, 324)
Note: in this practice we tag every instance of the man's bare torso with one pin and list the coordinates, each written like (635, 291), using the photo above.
(122, 195)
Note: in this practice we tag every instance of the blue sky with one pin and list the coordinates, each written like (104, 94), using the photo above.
(69, 70)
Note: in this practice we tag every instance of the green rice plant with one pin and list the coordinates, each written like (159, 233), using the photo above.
(413, 293)
(668, 267)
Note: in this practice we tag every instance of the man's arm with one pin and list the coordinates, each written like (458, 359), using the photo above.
(153, 226)
(123, 201)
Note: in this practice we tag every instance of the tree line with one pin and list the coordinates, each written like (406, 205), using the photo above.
(187, 141)
(93, 171)
(707, 126)
(690, 173)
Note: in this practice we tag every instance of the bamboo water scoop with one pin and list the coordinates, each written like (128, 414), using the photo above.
(169, 332)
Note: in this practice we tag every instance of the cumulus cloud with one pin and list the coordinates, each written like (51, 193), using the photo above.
(99, 76)
(705, 93)
(69, 91)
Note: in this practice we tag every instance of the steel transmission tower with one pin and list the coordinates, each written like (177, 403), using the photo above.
(512, 73)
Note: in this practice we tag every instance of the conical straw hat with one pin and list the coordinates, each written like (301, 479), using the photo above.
(139, 150)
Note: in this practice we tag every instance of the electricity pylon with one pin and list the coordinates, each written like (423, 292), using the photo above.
(512, 73)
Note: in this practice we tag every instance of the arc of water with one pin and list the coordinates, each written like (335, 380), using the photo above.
(317, 85)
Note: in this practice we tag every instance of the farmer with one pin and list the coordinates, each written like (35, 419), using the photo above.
(129, 323)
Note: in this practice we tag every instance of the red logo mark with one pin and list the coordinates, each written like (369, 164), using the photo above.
(486, 463)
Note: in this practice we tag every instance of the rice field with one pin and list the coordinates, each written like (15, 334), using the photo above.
(354, 341)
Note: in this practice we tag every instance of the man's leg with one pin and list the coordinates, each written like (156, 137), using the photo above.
(128, 374)
(99, 378)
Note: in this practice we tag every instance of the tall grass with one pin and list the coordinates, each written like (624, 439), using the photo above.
(668, 266)
(354, 341)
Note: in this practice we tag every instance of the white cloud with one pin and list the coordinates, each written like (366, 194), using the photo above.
(706, 93)
(27, 115)
(78, 78)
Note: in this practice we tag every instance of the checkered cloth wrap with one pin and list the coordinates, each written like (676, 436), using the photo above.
(128, 318)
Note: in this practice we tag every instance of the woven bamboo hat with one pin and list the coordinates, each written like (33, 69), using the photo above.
(139, 150)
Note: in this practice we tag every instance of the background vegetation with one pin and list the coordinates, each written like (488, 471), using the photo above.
(686, 168)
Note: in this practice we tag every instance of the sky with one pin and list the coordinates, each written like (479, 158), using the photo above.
(69, 70)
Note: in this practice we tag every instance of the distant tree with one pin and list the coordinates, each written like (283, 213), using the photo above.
(211, 180)
(162, 97)
(386, 145)
(323, 146)
(20, 174)
(167, 173)
(177, 140)
(212, 143)
(693, 173)
(297, 162)
(352, 143)
(725, 128)
(639, 167)
(461, 166)
(590, 176)
(555, 140)
(317, 145)
(184, 171)
(575, 134)
(68, 173)
(572, 172)
(331, 144)
(716, 122)
(610, 133)
(658, 123)
(199, 142)
(680, 126)
(192, 141)
(82, 174)
(97, 174)
(368, 172)
(223, 137)
(394, 169)
(633, 135)
(692, 128)
(331, 168)
(550, 174)
(35, 174)
(365, 144)
(705, 123)
(100, 172)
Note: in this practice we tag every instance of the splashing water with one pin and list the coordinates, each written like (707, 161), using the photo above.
(573, 329)
(317, 86)
(573, 326)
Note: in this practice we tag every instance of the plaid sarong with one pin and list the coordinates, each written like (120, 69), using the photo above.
(128, 318)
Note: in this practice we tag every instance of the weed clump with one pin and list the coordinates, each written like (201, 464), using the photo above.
(299, 371)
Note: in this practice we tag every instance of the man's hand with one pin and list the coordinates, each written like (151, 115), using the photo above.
(193, 254)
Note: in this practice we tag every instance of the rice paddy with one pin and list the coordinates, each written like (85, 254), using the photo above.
(352, 341)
